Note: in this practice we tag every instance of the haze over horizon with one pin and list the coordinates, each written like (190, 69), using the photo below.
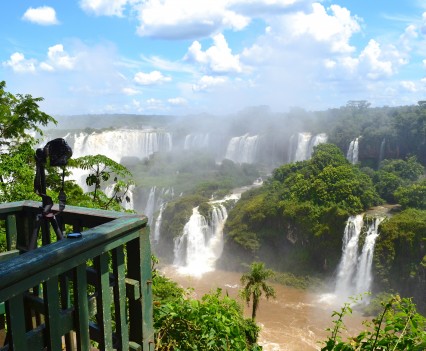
(212, 56)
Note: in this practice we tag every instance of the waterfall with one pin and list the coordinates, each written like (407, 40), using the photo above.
(242, 149)
(364, 277)
(316, 140)
(382, 151)
(305, 145)
(349, 260)
(116, 144)
(201, 244)
(157, 201)
(196, 141)
(157, 226)
(354, 272)
(150, 205)
(303, 140)
(352, 154)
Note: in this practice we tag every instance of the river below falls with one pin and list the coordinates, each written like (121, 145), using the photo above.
(295, 321)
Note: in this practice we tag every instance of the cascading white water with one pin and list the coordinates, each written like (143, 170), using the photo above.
(201, 244)
(117, 144)
(382, 151)
(150, 205)
(315, 141)
(349, 260)
(305, 145)
(157, 227)
(363, 278)
(242, 149)
(352, 154)
(196, 141)
(354, 271)
(303, 140)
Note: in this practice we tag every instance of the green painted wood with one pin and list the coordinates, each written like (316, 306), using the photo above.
(81, 308)
(8, 255)
(103, 302)
(119, 271)
(66, 304)
(23, 272)
(134, 346)
(140, 311)
(52, 317)
(47, 263)
(11, 232)
(133, 289)
(16, 322)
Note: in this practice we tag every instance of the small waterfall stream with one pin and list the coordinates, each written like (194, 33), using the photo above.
(363, 278)
(354, 274)
(201, 243)
(352, 154)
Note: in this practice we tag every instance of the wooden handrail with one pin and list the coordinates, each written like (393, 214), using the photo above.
(55, 278)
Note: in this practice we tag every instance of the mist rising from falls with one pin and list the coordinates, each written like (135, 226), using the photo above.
(242, 149)
(116, 144)
(302, 148)
(196, 141)
(352, 154)
(201, 244)
(354, 272)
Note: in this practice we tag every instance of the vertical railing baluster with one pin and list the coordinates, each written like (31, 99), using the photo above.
(11, 232)
(140, 311)
(119, 271)
(103, 301)
(66, 304)
(81, 308)
(51, 300)
(16, 322)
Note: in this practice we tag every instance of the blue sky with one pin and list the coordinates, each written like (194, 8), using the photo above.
(215, 56)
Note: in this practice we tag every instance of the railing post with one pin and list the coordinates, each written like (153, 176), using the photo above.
(81, 308)
(11, 232)
(103, 301)
(140, 310)
(119, 271)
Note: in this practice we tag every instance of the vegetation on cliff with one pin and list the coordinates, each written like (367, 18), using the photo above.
(301, 210)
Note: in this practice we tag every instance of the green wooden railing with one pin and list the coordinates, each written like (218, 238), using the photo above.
(76, 294)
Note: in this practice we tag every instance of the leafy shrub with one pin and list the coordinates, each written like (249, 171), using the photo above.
(398, 327)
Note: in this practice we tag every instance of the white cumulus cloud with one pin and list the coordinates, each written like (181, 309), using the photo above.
(177, 101)
(217, 59)
(333, 27)
(58, 58)
(104, 7)
(207, 82)
(44, 15)
(152, 78)
(173, 19)
(20, 64)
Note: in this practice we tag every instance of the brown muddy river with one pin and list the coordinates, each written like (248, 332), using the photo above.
(295, 321)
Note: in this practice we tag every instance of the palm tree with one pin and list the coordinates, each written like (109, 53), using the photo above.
(255, 284)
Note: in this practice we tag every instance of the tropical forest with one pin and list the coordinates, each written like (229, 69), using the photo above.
(256, 219)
